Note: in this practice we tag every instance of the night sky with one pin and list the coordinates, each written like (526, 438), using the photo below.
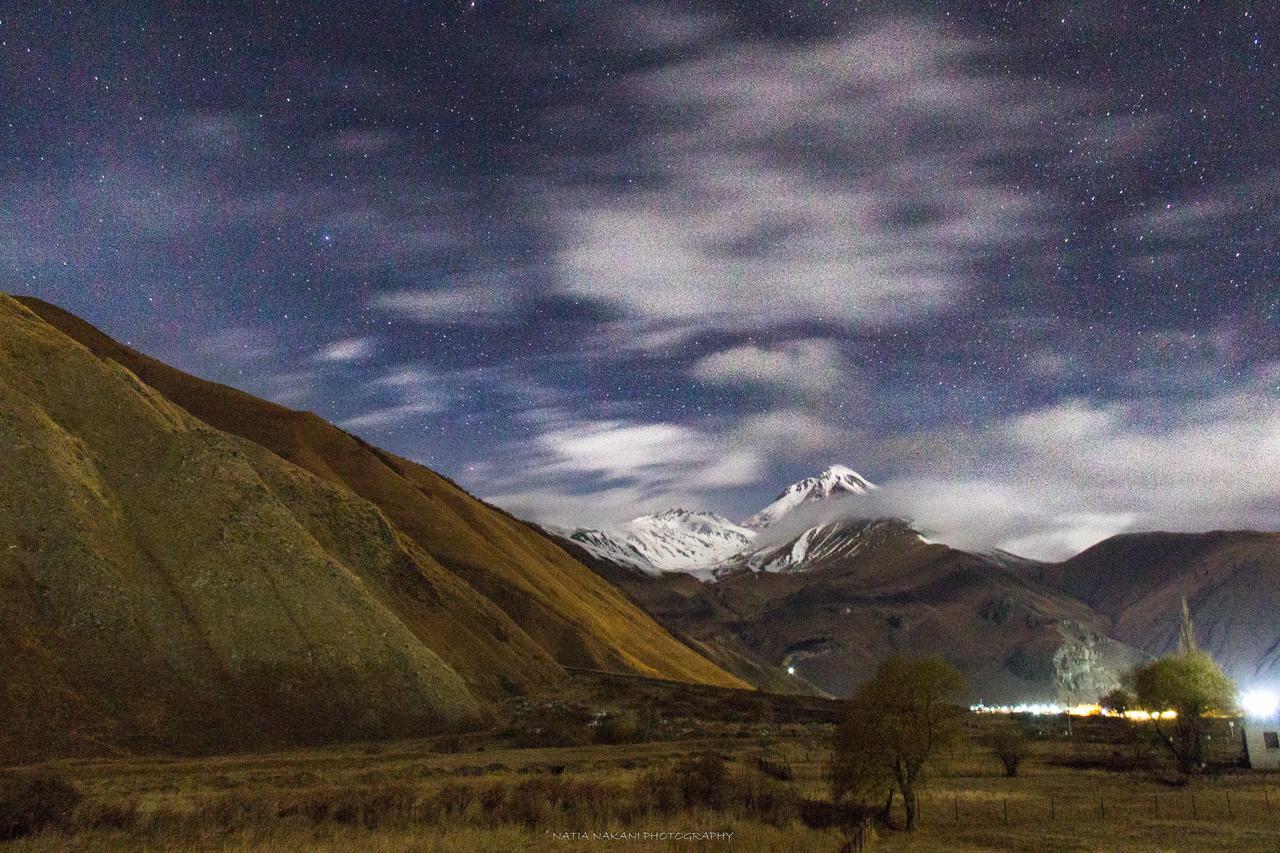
(1018, 263)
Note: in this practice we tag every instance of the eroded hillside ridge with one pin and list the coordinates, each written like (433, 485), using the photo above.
(170, 585)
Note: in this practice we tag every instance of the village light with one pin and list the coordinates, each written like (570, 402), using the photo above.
(1260, 704)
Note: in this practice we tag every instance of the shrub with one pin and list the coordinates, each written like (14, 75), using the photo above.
(655, 792)
(31, 801)
(368, 806)
(700, 780)
(753, 795)
(1009, 744)
(619, 727)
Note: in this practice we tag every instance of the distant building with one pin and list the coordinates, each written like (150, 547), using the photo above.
(1262, 743)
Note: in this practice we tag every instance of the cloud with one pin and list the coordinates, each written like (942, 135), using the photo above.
(1211, 209)
(652, 464)
(445, 305)
(808, 366)
(391, 415)
(1055, 480)
(793, 433)
(805, 182)
(346, 350)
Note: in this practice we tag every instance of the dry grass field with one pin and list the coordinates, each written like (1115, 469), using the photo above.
(719, 762)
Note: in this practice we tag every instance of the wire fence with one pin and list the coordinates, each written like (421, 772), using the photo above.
(1202, 804)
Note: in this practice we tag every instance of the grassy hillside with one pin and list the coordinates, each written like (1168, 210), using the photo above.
(164, 584)
(574, 615)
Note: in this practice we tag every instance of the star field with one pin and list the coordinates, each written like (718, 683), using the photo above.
(1017, 262)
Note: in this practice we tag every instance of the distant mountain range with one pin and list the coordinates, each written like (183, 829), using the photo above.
(188, 568)
(707, 545)
(811, 591)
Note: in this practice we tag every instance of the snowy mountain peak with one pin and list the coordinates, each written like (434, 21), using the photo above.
(672, 540)
(680, 514)
(835, 481)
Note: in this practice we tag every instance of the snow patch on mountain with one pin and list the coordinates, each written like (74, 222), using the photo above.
(676, 540)
(835, 482)
(778, 538)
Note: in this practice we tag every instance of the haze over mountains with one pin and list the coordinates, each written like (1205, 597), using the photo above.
(820, 585)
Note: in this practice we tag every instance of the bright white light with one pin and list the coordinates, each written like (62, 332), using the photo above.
(791, 670)
(1260, 703)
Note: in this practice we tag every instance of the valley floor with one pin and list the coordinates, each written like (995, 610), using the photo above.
(480, 793)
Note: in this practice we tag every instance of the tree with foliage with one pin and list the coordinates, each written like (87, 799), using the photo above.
(1191, 685)
(896, 723)
(1009, 743)
(1117, 701)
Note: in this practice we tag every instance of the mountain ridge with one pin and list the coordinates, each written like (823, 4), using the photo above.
(190, 569)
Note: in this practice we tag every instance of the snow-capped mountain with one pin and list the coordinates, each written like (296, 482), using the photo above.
(707, 545)
(676, 540)
(817, 546)
(835, 482)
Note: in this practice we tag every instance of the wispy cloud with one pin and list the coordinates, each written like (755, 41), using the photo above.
(805, 182)
(346, 350)
(443, 305)
(804, 367)
(1055, 480)
(652, 464)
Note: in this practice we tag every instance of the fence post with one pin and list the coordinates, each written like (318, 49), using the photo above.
(1229, 812)
(1266, 798)
(1193, 805)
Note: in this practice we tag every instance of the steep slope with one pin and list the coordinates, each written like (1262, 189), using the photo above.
(167, 585)
(566, 609)
(1231, 581)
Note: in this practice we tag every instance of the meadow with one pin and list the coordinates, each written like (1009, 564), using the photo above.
(598, 769)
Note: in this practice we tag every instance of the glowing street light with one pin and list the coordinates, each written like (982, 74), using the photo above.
(1260, 703)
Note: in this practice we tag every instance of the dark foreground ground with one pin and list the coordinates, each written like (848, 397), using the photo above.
(629, 756)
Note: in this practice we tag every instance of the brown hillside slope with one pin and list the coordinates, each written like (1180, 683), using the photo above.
(1231, 580)
(572, 613)
(166, 585)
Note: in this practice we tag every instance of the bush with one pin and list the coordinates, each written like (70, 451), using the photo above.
(32, 801)
(700, 780)
(1009, 744)
(704, 781)
(756, 796)
(620, 727)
